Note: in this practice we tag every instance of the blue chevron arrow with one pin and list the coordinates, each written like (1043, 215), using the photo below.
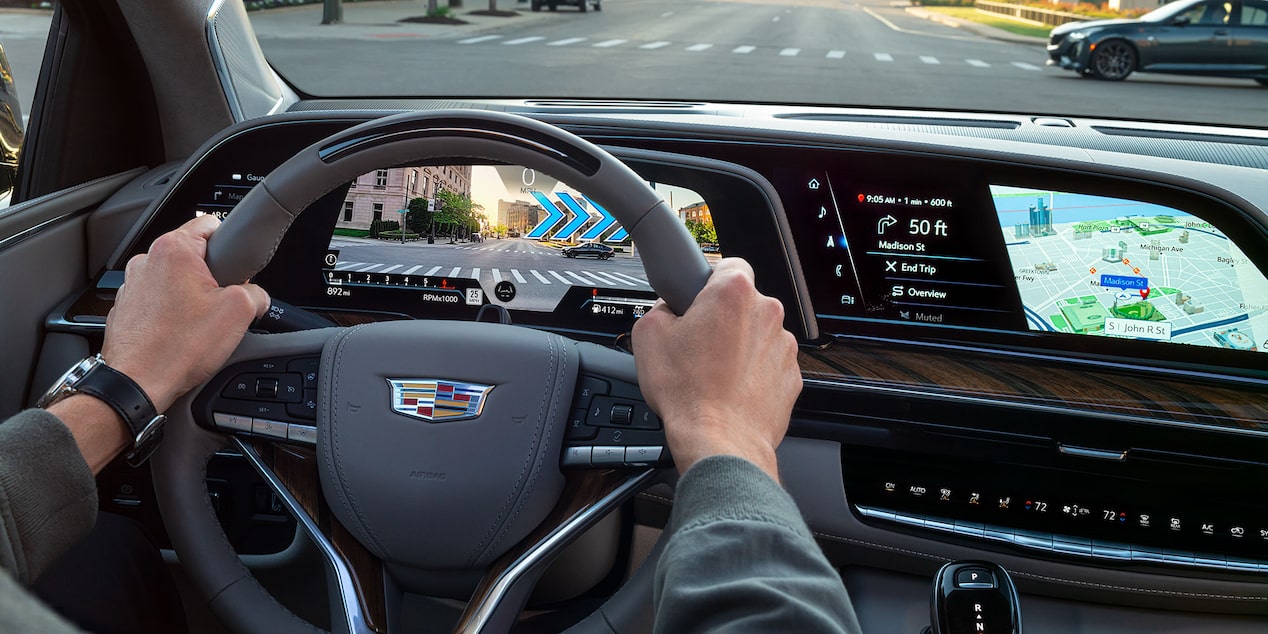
(578, 222)
(619, 236)
(553, 216)
(605, 222)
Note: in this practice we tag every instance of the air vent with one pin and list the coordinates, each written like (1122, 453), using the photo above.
(997, 124)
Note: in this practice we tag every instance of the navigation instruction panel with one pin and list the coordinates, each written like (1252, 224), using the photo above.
(1091, 265)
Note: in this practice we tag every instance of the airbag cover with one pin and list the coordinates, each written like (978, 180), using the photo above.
(453, 494)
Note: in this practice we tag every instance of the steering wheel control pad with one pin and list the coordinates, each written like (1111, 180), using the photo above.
(438, 442)
(612, 426)
(275, 398)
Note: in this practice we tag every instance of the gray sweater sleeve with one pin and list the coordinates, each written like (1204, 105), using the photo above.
(48, 497)
(740, 558)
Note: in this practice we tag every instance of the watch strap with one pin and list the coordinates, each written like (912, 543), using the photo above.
(127, 398)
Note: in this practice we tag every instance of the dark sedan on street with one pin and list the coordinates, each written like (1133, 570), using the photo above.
(1227, 38)
(589, 250)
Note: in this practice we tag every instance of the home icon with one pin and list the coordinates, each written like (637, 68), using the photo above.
(814, 183)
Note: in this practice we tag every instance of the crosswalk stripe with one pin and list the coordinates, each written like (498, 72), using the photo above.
(836, 54)
(790, 52)
(432, 272)
(518, 278)
(883, 57)
(369, 268)
(613, 278)
(411, 269)
(655, 45)
(699, 47)
(610, 43)
(477, 40)
(559, 277)
(1025, 66)
(567, 41)
(455, 271)
(391, 268)
(929, 60)
(522, 40)
(742, 50)
(497, 276)
(978, 63)
(539, 277)
(627, 277)
(592, 276)
(583, 280)
(347, 265)
(475, 274)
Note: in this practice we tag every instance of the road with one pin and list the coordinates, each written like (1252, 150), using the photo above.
(784, 51)
(869, 52)
(540, 274)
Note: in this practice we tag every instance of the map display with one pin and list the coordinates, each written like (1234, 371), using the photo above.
(1092, 265)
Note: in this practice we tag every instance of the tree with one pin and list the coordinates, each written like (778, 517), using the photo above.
(702, 231)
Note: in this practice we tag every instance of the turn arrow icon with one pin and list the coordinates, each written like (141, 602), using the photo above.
(578, 222)
(605, 222)
(553, 216)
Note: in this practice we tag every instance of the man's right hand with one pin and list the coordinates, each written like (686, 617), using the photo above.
(724, 375)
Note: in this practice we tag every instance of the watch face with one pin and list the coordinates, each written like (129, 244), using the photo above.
(65, 386)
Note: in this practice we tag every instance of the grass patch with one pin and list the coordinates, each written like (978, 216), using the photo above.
(997, 21)
(351, 233)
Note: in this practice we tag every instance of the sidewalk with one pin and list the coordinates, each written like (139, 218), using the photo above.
(980, 30)
(381, 20)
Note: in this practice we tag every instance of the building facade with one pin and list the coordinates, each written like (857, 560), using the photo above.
(698, 212)
(518, 216)
(379, 194)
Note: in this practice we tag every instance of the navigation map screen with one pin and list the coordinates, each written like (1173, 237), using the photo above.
(1091, 265)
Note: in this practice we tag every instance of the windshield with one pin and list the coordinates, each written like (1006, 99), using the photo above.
(1168, 11)
(822, 52)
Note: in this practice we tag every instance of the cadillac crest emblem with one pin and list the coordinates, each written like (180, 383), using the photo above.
(438, 400)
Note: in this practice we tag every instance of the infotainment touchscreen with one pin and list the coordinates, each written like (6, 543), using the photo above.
(1090, 265)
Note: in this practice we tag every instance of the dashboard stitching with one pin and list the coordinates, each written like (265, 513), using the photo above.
(485, 544)
(349, 503)
(1178, 593)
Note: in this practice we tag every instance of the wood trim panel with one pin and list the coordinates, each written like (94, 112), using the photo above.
(1052, 384)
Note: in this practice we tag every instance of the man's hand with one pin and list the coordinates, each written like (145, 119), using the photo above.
(723, 376)
(172, 325)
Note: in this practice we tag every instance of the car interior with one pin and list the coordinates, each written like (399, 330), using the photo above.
(1032, 346)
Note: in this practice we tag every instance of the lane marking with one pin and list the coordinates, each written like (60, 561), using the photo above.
(775, 19)
(392, 268)
(522, 40)
(895, 27)
(601, 281)
(539, 276)
(978, 63)
(497, 276)
(475, 274)
(631, 278)
(567, 41)
(613, 277)
(836, 54)
(929, 60)
(699, 47)
(666, 14)
(431, 272)
(477, 40)
(883, 57)
(518, 278)
(742, 50)
(610, 43)
(790, 52)
(369, 268)
(584, 281)
(347, 265)
(411, 269)
(656, 45)
(559, 277)
(1025, 66)
(455, 271)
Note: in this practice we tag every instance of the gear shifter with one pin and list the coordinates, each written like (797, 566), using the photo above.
(975, 597)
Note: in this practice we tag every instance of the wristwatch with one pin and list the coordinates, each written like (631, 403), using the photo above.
(93, 377)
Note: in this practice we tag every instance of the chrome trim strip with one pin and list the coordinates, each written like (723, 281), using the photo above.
(218, 60)
(541, 552)
(1095, 454)
(977, 400)
(1081, 547)
(354, 619)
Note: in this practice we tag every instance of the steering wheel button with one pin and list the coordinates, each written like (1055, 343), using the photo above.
(622, 414)
(231, 422)
(266, 387)
(270, 428)
(578, 429)
(307, 368)
(576, 457)
(242, 386)
(607, 456)
(591, 387)
(645, 418)
(642, 455)
(302, 433)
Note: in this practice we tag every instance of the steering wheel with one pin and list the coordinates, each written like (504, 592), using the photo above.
(386, 496)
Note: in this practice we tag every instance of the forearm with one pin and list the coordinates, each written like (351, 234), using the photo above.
(99, 432)
(740, 558)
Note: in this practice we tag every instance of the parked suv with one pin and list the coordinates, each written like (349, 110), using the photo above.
(589, 250)
(582, 5)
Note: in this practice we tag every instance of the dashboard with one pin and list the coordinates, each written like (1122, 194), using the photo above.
(1056, 360)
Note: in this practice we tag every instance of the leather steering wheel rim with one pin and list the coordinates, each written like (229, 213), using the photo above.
(248, 238)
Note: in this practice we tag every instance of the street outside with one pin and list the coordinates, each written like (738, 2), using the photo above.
(869, 53)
